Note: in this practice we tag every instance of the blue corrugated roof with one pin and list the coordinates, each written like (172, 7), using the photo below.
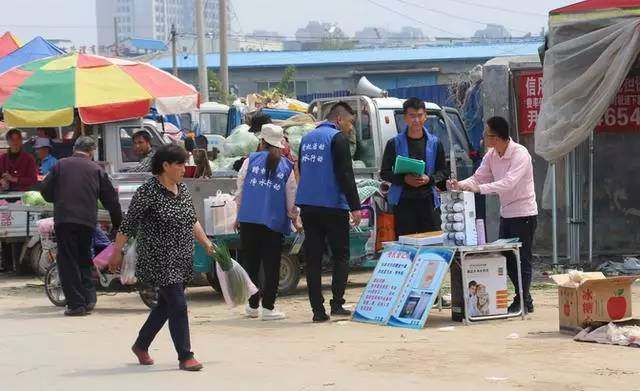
(148, 44)
(358, 56)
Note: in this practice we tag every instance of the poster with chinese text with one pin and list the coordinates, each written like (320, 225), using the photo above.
(383, 289)
(420, 291)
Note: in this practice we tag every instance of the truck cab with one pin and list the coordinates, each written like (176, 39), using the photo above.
(380, 119)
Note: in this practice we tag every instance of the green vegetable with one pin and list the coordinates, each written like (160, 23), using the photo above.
(33, 198)
(223, 257)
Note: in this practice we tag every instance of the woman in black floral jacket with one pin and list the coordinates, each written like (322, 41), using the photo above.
(162, 219)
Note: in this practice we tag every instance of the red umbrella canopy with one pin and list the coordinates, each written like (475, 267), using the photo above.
(46, 92)
(8, 44)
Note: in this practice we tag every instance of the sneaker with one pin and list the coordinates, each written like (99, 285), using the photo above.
(143, 356)
(252, 313)
(91, 306)
(190, 365)
(320, 317)
(273, 314)
(340, 311)
(80, 311)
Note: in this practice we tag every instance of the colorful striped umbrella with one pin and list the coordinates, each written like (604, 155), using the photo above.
(46, 92)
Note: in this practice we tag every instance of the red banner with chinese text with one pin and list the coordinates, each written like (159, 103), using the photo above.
(530, 100)
(622, 116)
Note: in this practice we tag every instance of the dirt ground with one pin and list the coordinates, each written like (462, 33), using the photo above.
(42, 350)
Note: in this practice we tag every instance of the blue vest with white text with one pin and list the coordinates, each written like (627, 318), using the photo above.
(264, 196)
(402, 149)
(318, 185)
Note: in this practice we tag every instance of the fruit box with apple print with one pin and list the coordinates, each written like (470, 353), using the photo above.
(594, 299)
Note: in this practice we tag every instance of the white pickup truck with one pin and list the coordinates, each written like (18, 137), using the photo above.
(380, 119)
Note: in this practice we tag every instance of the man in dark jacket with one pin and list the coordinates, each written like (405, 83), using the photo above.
(414, 197)
(326, 195)
(74, 186)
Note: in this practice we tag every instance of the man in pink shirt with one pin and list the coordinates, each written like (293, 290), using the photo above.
(507, 171)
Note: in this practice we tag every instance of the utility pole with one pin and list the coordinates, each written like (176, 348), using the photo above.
(224, 66)
(115, 30)
(202, 66)
(174, 50)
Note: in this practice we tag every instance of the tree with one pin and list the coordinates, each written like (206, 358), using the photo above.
(216, 92)
(284, 89)
(286, 85)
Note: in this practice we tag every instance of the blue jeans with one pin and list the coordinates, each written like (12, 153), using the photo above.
(172, 306)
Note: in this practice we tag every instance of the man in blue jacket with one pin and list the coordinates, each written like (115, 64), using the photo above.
(326, 194)
(415, 197)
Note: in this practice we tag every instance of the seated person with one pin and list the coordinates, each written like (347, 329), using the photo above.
(189, 146)
(18, 169)
(43, 151)
(144, 151)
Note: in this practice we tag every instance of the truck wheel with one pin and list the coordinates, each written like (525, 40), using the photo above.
(212, 277)
(289, 274)
(53, 286)
(33, 257)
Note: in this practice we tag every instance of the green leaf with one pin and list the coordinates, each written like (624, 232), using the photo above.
(223, 257)
(620, 292)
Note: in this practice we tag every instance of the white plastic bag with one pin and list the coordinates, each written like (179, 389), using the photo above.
(128, 273)
(220, 214)
(236, 285)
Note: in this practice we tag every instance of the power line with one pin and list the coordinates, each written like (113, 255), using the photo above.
(455, 16)
(410, 17)
(484, 6)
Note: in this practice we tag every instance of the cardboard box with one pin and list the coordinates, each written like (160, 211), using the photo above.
(422, 239)
(486, 290)
(594, 299)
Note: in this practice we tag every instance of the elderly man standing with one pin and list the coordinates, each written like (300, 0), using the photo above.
(74, 186)
(507, 171)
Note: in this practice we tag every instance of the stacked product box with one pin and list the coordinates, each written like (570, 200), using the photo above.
(458, 210)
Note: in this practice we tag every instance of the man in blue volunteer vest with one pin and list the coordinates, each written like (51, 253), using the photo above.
(326, 194)
(414, 197)
(266, 209)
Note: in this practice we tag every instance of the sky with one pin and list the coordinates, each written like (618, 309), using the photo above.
(75, 19)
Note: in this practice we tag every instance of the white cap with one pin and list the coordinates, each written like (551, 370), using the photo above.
(42, 142)
(272, 135)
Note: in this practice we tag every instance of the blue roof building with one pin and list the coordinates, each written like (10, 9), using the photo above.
(326, 71)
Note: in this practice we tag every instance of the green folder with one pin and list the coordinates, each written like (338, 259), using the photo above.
(406, 165)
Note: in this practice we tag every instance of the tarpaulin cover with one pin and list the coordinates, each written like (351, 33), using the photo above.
(45, 92)
(33, 50)
(8, 44)
(584, 68)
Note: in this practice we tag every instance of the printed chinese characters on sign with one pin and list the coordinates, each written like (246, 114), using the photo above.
(623, 115)
(530, 93)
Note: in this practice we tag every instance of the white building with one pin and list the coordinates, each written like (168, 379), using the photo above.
(150, 19)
